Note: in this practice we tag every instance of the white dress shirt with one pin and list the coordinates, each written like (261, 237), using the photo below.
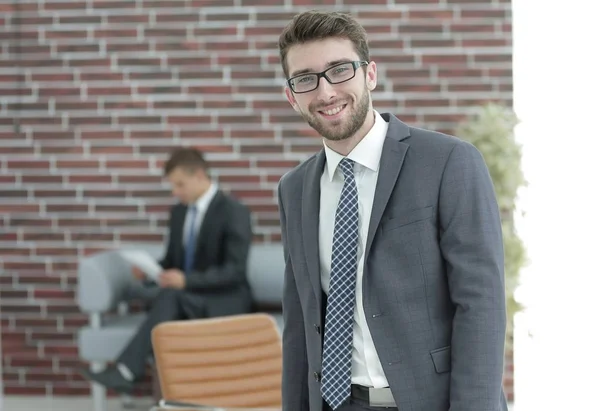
(202, 204)
(366, 366)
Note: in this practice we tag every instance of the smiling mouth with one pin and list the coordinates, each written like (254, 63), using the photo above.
(333, 111)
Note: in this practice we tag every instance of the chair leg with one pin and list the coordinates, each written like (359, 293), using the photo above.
(98, 391)
(127, 401)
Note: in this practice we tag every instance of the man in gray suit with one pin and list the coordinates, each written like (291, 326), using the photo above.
(394, 282)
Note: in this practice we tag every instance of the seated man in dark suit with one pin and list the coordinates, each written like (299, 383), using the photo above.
(204, 264)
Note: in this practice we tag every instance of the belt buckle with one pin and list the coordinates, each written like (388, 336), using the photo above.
(381, 397)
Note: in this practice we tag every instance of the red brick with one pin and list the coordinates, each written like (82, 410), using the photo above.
(109, 91)
(64, 150)
(252, 133)
(289, 164)
(102, 76)
(181, 120)
(131, 222)
(114, 193)
(26, 165)
(238, 60)
(127, 120)
(151, 238)
(103, 63)
(140, 179)
(55, 91)
(36, 280)
(9, 308)
(255, 179)
(253, 149)
(102, 208)
(33, 221)
(64, 5)
(44, 236)
(15, 150)
(79, 222)
(113, 164)
(53, 135)
(151, 135)
(96, 237)
(112, 150)
(204, 90)
(29, 389)
(63, 193)
(76, 106)
(102, 135)
(174, 105)
(79, 19)
(14, 294)
(118, 33)
(63, 266)
(189, 61)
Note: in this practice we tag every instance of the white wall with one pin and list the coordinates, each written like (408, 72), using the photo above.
(557, 95)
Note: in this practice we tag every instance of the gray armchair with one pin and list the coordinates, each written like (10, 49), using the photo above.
(103, 279)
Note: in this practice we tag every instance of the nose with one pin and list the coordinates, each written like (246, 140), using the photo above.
(325, 91)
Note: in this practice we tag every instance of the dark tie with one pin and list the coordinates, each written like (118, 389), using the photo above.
(337, 346)
(190, 245)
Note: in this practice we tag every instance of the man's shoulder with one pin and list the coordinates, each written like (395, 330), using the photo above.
(428, 137)
(178, 207)
(295, 176)
(435, 144)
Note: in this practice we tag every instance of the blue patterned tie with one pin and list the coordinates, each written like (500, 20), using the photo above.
(339, 317)
(190, 245)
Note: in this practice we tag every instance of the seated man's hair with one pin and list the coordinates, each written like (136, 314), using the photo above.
(186, 158)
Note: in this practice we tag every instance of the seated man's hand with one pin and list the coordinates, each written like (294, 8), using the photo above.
(138, 274)
(172, 278)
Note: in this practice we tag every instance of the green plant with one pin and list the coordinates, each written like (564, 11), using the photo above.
(491, 130)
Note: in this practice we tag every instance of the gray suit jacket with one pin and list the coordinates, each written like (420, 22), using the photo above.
(433, 281)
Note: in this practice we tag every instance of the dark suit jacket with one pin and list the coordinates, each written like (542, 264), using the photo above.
(222, 248)
(433, 284)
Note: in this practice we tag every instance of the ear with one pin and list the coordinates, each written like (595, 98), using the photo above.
(371, 76)
(291, 98)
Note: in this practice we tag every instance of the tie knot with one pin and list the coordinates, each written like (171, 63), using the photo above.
(192, 208)
(347, 167)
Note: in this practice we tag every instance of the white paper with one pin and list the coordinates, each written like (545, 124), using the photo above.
(144, 262)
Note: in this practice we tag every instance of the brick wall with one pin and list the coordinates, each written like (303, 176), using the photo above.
(94, 93)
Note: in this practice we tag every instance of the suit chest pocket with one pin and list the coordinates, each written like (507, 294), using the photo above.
(401, 218)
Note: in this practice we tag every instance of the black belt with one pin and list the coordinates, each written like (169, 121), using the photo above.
(360, 392)
(382, 397)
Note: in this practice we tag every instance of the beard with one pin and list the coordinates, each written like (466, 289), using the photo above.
(341, 129)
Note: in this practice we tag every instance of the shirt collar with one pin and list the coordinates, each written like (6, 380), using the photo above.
(366, 153)
(204, 200)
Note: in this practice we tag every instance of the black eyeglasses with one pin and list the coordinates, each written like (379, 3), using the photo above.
(339, 73)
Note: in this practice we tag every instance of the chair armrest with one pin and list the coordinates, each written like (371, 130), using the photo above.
(102, 280)
(104, 277)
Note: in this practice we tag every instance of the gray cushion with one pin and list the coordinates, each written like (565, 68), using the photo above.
(107, 342)
(266, 268)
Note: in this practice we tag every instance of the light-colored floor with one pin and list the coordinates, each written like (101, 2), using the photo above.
(74, 404)
(19, 403)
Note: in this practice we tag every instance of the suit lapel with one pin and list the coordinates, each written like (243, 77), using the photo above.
(311, 197)
(392, 158)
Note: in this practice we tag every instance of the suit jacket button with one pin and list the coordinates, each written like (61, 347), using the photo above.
(317, 376)
(317, 329)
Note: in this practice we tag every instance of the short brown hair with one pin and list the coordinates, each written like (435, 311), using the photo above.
(187, 158)
(319, 25)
